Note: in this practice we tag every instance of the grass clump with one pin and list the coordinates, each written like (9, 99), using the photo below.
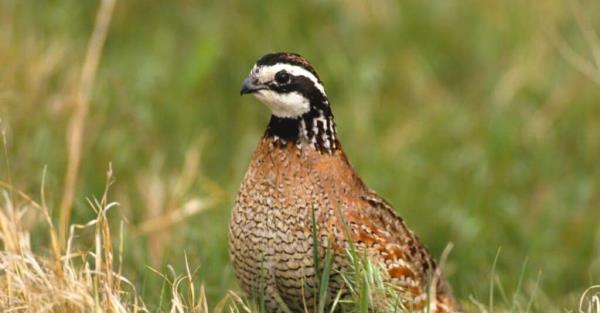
(71, 280)
(79, 278)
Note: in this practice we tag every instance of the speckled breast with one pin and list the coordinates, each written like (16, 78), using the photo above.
(271, 225)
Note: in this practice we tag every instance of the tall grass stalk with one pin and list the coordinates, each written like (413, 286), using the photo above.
(81, 107)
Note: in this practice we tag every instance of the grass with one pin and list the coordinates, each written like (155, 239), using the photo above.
(77, 280)
(90, 278)
(478, 121)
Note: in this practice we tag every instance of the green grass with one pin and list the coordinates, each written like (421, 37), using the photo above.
(478, 120)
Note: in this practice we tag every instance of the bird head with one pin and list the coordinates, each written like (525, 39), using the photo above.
(286, 83)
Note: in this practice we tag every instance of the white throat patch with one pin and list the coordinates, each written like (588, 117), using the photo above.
(289, 105)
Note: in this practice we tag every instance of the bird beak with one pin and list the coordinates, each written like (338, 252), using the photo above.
(250, 86)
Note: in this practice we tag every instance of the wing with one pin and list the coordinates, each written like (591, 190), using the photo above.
(375, 227)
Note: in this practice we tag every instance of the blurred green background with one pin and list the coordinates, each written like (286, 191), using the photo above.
(478, 120)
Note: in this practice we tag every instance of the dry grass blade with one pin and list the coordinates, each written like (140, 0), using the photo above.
(77, 123)
(590, 300)
(437, 275)
(591, 69)
(167, 204)
(587, 30)
(174, 217)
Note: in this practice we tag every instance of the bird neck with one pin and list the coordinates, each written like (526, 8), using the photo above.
(315, 128)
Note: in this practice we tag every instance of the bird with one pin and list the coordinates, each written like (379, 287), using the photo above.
(300, 191)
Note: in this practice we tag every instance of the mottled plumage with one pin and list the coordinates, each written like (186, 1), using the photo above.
(299, 166)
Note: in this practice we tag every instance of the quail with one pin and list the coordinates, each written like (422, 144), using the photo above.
(299, 180)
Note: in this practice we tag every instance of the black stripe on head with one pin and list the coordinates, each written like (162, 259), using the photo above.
(287, 58)
(304, 86)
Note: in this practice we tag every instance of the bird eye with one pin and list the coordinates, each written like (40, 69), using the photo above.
(282, 77)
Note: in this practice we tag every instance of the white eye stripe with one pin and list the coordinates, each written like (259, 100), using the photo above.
(267, 73)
